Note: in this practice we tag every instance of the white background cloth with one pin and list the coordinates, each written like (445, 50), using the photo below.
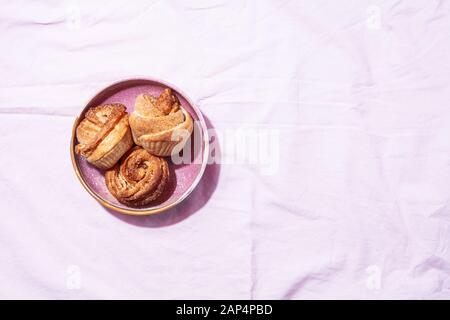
(357, 92)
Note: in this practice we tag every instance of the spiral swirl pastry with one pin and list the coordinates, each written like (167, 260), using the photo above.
(139, 178)
(159, 124)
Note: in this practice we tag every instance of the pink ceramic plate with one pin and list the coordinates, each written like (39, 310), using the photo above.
(184, 176)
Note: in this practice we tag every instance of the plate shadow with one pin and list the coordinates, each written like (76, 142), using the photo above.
(189, 206)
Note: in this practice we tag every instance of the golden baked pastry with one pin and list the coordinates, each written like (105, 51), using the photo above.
(139, 178)
(104, 135)
(160, 124)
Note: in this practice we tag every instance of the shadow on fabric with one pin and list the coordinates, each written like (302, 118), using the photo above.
(192, 204)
